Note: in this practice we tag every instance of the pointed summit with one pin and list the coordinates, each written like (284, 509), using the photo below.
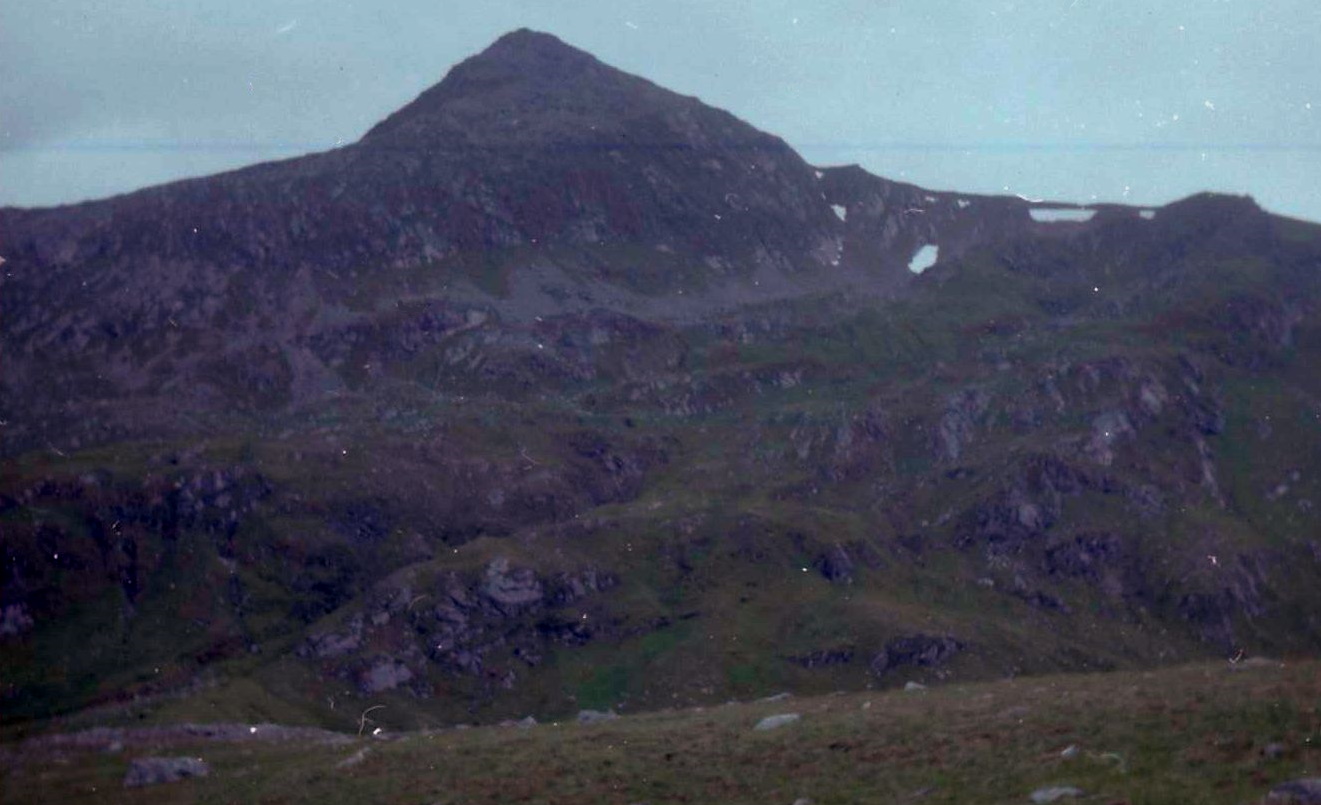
(533, 49)
(525, 83)
(529, 91)
(544, 143)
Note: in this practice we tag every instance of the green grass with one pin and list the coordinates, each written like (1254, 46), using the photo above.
(1186, 734)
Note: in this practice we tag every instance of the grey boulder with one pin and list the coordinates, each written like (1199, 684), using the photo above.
(146, 771)
(1055, 794)
(1306, 791)
(775, 722)
(596, 716)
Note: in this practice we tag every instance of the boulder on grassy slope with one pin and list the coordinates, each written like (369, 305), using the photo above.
(1305, 791)
(146, 771)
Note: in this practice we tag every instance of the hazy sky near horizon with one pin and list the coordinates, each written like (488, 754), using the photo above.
(1076, 100)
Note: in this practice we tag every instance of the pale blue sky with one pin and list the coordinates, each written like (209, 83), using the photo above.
(1069, 99)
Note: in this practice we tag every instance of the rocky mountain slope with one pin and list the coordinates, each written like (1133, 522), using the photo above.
(559, 390)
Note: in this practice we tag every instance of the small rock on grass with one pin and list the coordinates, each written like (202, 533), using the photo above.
(1055, 793)
(914, 687)
(1254, 662)
(774, 722)
(596, 716)
(1306, 791)
(146, 771)
(353, 759)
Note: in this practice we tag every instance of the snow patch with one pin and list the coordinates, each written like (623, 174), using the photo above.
(930, 199)
(1050, 215)
(819, 174)
(964, 204)
(924, 258)
(1147, 215)
(841, 211)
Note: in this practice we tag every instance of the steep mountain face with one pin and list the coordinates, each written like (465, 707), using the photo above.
(561, 390)
(532, 180)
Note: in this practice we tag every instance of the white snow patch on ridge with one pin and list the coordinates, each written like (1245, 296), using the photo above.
(1051, 215)
(841, 211)
(1147, 215)
(964, 203)
(924, 258)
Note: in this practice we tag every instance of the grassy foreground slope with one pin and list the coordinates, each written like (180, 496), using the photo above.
(1209, 733)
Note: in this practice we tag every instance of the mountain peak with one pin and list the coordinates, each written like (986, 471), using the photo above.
(526, 42)
(529, 55)
(522, 73)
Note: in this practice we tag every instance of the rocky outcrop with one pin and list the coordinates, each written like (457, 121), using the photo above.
(383, 674)
(511, 590)
(823, 658)
(1029, 507)
(919, 650)
(963, 413)
(328, 645)
(473, 619)
(1104, 560)
(1237, 594)
(841, 562)
(507, 610)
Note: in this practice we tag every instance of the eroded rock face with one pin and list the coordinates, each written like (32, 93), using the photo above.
(473, 619)
(328, 645)
(1030, 503)
(1212, 613)
(507, 611)
(511, 589)
(836, 565)
(1108, 428)
(963, 413)
(1105, 560)
(384, 674)
(923, 651)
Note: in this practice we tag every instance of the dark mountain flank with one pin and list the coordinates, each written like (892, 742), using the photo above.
(559, 390)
